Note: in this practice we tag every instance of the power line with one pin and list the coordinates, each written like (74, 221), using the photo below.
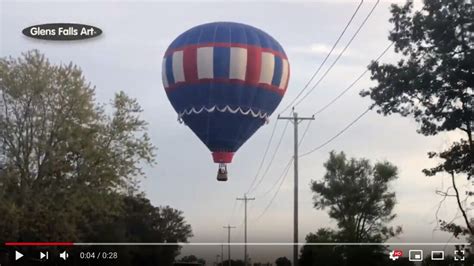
(305, 132)
(287, 166)
(353, 83)
(344, 91)
(299, 94)
(283, 178)
(262, 161)
(284, 174)
(289, 162)
(338, 134)
(273, 157)
(233, 211)
(326, 58)
(340, 54)
(264, 156)
(285, 169)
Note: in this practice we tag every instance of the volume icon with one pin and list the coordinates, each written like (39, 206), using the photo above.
(64, 255)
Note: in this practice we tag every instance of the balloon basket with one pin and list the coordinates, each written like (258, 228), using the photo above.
(222, 172)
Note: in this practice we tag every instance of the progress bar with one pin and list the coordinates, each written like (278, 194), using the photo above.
(44, 244)
(39, 244)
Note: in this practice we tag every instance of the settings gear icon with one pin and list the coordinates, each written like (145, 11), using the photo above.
(395, 254)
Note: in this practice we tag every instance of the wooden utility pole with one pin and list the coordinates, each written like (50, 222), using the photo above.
(228, 227)
(245, 199)
(295, 120)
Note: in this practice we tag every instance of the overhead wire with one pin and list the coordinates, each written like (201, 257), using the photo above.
(286, 169)
(320, 110)
(332, 65)
(282, 178)
(340, 54)
(352, 84)
(288, 165)
(326, 58)
(264, 156)
(305, 87)
(273, 156)
(337, 135)
(233, 211)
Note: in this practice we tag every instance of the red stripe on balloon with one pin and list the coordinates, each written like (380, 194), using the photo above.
(254, 65)
(190, 64)
(263, 86)
(287, 77)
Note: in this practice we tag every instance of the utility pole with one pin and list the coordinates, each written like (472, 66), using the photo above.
(295, 120)
(245, 199)
(228, 227)
(222, 255)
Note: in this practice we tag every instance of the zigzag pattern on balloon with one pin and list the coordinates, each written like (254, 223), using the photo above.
(225, 109)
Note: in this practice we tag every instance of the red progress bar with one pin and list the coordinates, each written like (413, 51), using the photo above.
(39, 244)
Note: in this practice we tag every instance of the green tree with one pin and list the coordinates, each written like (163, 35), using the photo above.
(283, 261)
(232, 262)
(357, 196)
(144, 223)
(69, 169)
(433, 82)
(64, 159)
(321, 255)
(192, 258)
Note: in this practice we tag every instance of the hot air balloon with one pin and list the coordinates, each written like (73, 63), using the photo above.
(224, 80)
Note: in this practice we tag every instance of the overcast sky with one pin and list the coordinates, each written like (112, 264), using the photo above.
(128, 57)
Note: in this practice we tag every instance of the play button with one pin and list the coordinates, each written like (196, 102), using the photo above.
(18, 255)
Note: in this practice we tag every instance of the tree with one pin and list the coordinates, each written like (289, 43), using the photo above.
(189, 258)
(232, 262)
(192, 258)
(321, 255)
(64, 159)
(144, 223)
(69, 170)
(283, 261)
(433, 82)
(358, 198)
(141, 222)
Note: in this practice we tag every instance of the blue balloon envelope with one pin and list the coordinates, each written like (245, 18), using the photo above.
(224, 80)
